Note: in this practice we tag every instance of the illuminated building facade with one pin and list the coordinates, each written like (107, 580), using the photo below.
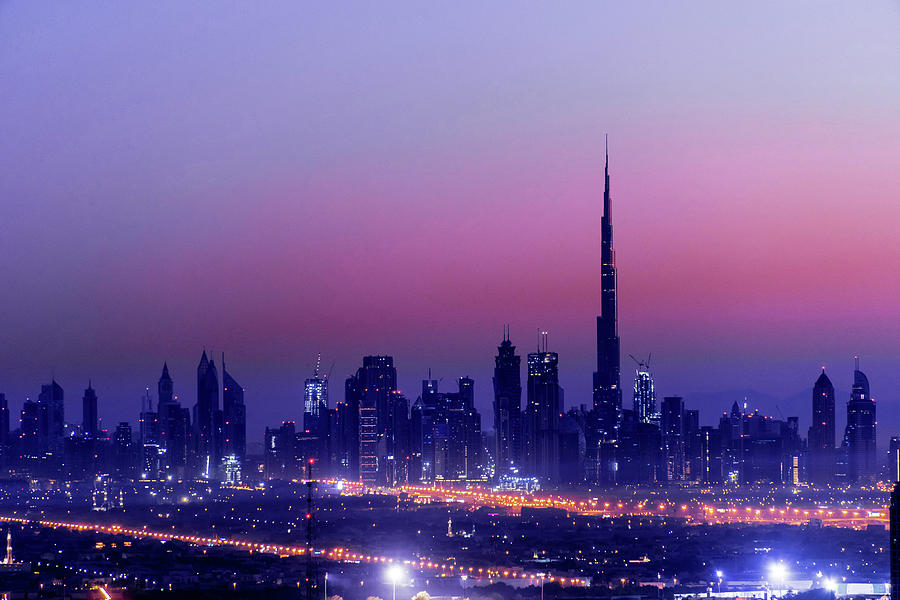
(315, 403)
(542, 414)
(644, 395)
(375, 383)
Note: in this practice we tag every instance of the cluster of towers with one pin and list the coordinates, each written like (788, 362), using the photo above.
(376, 436)
(373, 435)
(172, 441)
(606, 444)
(855, 459)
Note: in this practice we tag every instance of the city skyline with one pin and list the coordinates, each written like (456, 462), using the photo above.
(137, 248)
(539, 301)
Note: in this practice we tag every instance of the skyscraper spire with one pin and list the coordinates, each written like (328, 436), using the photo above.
(607, 390)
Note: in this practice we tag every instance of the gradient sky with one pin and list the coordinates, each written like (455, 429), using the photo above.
(279, 180)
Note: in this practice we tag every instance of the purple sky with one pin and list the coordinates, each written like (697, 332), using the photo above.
(281, 180)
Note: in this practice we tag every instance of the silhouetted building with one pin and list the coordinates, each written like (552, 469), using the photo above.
(639, 451)
(89, 421)
(821, 440)
(151, 452)
(234, 415)
(207, 420)
(52, 418)
(507, 407)
(375, 383)
(30, 434)
(123, 460)
(607, 391)
(445, 434)
(165, 388)
(348, 433)
(572, 447)
(710, 443)
(541, 426)
(174, 427)
(862, 464)
(423, 417)
(692, 462)
(673, 433)
(394, 445)
(758, 449)
(281, 452)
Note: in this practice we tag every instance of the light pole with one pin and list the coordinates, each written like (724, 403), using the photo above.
(541, 575)
(394, 573)
(325, 588)
(778, 573)
(719, 583)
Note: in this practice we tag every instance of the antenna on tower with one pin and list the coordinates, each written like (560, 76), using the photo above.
(318, 362)
(856, 358)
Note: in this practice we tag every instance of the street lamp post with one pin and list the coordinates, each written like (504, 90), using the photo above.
(394, 573)
(778, 574)
(719, 582)
(325, 588)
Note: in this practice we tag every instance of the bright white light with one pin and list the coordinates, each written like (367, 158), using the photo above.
(778, 572)
(395, 573)
(830, 584)
(720, 574)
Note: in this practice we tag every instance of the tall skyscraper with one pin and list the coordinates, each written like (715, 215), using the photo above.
(507, 406)
(542, 414)
(174, 426)
(423, 417)
(644, 395)
(822, 432)
(607, 391)
(51, 407)
(376, 381)
(151, 453)
(315, 402)
(234, 415)
(123, 459)
(673, 434)
(207, 419)
(89, 420)
(862, 464)
(348, 442)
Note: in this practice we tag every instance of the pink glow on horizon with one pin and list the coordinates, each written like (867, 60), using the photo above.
(292, 195)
